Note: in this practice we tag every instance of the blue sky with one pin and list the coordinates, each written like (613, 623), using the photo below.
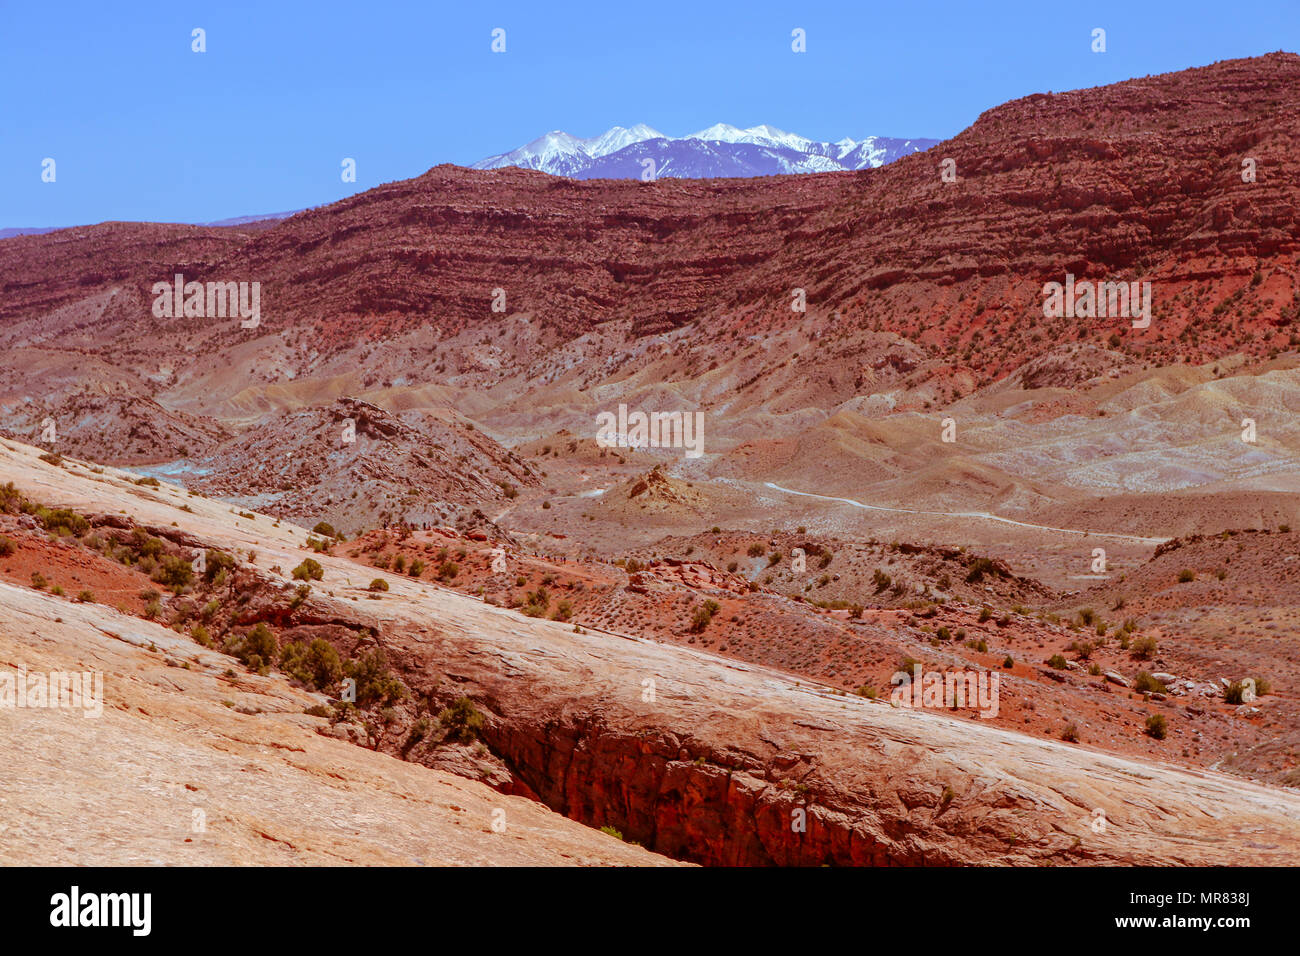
(141, 128)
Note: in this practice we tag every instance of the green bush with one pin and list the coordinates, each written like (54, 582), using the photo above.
(309, 570)
(214, 562)
(1144, 648)
(462, 720)
(62, 521)
(375, 682)
(379, 584)
(978, 568)
(316, 664)
(256, 649)
(703, 615)
(1157, 727)
(1144, 683)
(174, 572)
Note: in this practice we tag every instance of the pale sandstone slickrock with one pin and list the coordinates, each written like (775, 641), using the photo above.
(121, 789)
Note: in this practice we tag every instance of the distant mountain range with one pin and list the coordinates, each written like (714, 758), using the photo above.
(719, 151)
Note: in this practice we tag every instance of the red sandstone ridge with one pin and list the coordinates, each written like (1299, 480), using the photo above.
(1140, 180)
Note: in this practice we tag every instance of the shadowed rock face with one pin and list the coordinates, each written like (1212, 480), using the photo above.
(699, 757)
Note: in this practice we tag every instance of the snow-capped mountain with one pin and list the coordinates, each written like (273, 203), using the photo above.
(719, 151)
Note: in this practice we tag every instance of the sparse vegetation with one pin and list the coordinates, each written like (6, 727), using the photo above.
(1157, 727)
(309, 570)
(461, 720)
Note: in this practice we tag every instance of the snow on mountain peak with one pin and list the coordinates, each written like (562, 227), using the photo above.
(720, 150)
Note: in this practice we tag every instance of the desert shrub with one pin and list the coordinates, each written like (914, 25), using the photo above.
(1234, 693)
(416, 568)
(1144, 648)
(1057, 661)
(1186, 575)
(755, 550)
(537, 602)
(255, 649)
(86, 597)
(375, 682)
(325, 528)
(62, 521)
(563, 611)
(703, 615)
(316, 664)
(174, 572)
(11, 499)
(978, 568)
(379, 584)
(215, 562)
(1070, 734)
(7, 547)
(448, 570)
(1144, 683)
(1157, 726)
(309, 570)
(462, 720)
(881, 580)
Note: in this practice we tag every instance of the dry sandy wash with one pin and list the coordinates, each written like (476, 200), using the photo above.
(713, 769)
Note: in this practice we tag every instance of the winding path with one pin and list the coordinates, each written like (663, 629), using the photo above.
(970, 514)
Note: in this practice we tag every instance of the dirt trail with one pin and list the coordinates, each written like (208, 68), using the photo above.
(1136, 539)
